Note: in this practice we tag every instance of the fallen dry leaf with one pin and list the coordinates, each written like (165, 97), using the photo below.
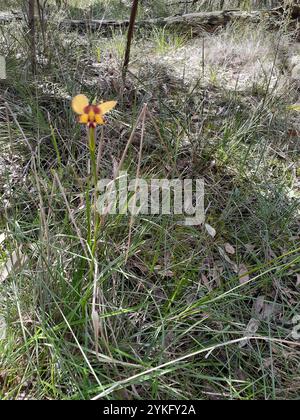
(227, 259)
(251, 330)
(263, 310)
(163, 272)
(258, 307)
(229, 249)
(206, 282)
(243, 274)
(210, 230)
(15, 262)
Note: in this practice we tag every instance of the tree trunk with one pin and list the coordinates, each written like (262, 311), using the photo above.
(31, 33)
(134, 10)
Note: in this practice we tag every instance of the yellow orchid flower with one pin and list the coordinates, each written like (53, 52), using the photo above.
(91, 115)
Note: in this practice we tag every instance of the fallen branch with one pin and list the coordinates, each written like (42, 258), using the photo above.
(209, 20)
(195, 22)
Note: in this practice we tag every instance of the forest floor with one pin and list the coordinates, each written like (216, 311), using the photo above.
(186, 312)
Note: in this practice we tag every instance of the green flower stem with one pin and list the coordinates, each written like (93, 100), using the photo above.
(94, 182)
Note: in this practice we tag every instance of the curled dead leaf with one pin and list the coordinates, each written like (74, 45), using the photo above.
(243, 274)
(210, 230)
(251, 330)
(298, 280)
(229, 249)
